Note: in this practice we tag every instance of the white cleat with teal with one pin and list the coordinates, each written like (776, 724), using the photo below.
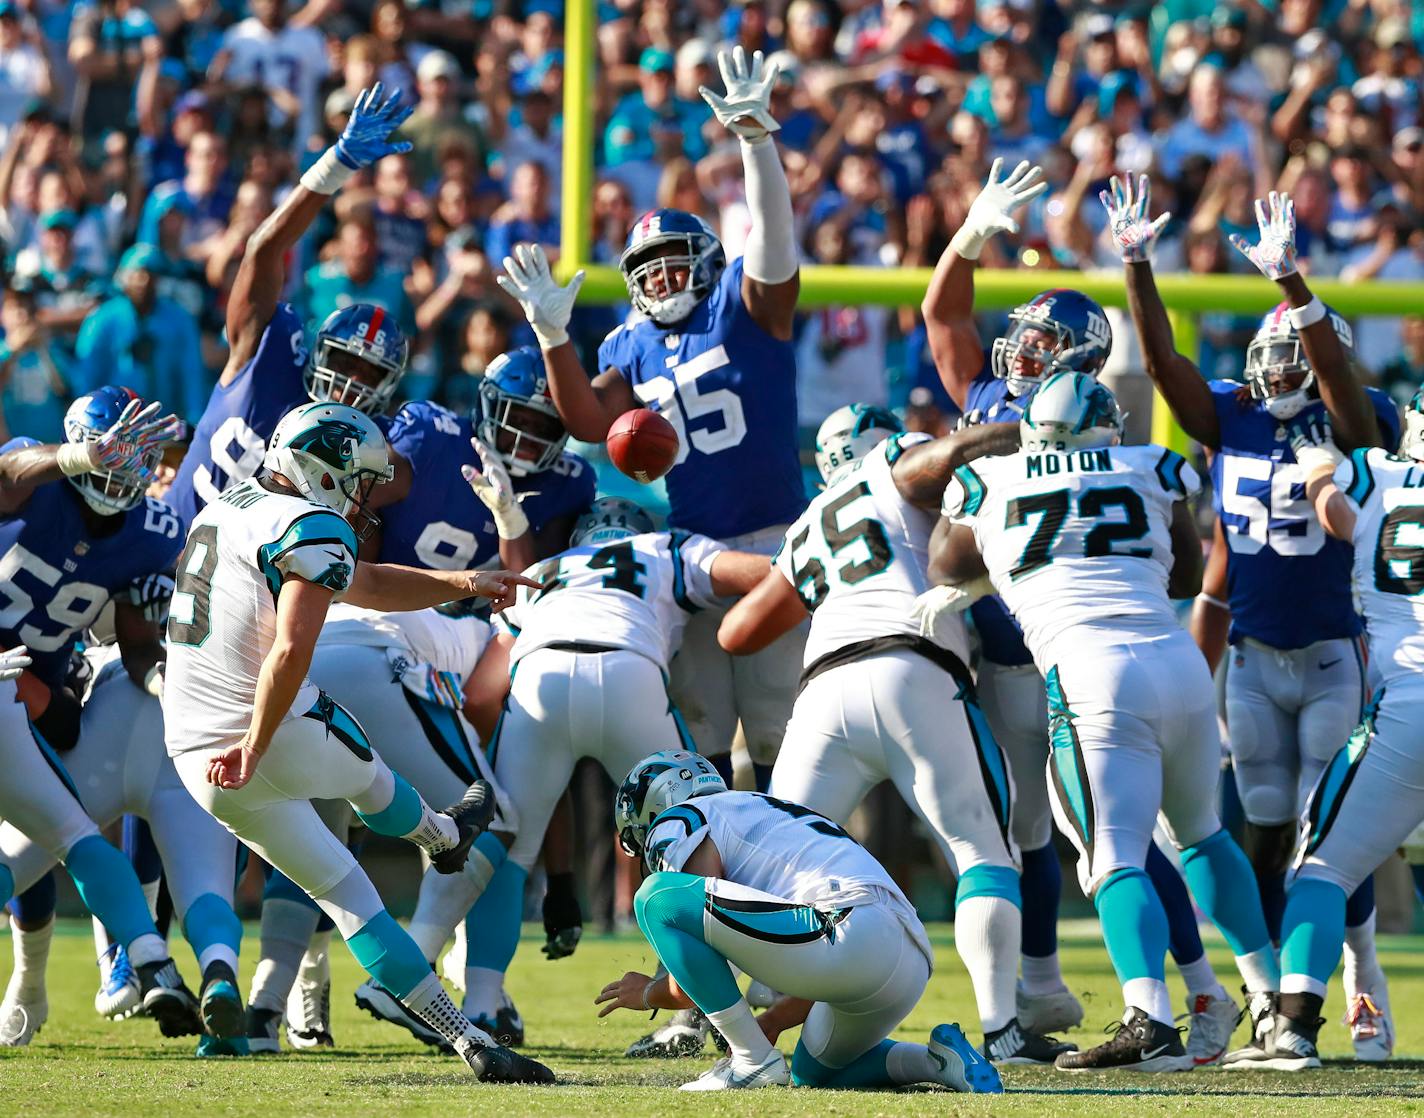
(729, 1075)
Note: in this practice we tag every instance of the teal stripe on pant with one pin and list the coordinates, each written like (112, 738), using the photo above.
(210, 920)
(866, 1070)
(1134, 925)
(389, 955)
(669, 909)
(1224, 884)
(109, 888)
(1313, 929)
(7, 884)
(492, 926)
(399, 817)
(989, 881)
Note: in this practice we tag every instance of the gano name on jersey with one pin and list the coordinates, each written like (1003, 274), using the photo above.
(1074, 538)
(223, 618)
(858, 556)
(634, 593)
(55, 577)
(780, 848)
(729, 388)
(440, 523)
(1389, 556)
(232, 435)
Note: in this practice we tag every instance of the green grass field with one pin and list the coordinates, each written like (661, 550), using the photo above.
(81, 1064)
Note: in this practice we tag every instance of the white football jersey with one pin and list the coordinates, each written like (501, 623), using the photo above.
(858, 555)
(1389, 556)
(1077, 538)
(223, 617)
(447, 644)
(634, 593)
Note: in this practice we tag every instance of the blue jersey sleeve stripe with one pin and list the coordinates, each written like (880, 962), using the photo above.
(974, 490)
(679, 581)
(1362, 479)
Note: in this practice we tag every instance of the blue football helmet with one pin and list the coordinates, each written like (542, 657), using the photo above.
(1277, 369)
(650, 274)
(1059, 331)
(656, 783)
(1071, 411)
(107, 492)
(609, 519)
(516, 417)
(353, 344)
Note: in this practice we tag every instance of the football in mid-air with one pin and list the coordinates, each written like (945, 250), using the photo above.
(642, 444)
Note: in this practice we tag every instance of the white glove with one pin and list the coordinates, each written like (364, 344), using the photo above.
(493, 486)
(1274, 254)
(990, 212)
(1313, 441)
(546, 305)
(936, 609)
(745, 111)
(13, 661)
(1132, 231)
(153, 680)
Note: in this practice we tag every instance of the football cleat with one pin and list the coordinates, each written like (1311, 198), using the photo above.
(471, 815)
(729, 1075)
(507, 1027)
(20, 1020)
(1209, 1028)
(683, 1035)
(385, 1007)
(209, 1046)
(1054, 1012)
(1371, 1026)
(220, 1005)
(1014, 1044)
(1138, 1044)
(167, 1000)
(500, 1065)
(1260, 1011)
(118, 995)
(263, 1030)
(309, 1004)
(1285, 1044)
(961, 1066)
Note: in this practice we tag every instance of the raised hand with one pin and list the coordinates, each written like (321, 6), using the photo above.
(1274, 253)
(13, 661)
(138, 430)
(546, 305)
(1133, 231)
(494, 487)
(746, 108)
(365, 139)
(1313, 441)
(991, 212)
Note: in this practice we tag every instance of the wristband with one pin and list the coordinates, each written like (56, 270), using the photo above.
(328, 174)
(647, 993)
(966, 244)
(73, 459)
(510, 522)
(153, 681)
(1308, 315)
(1217, 602)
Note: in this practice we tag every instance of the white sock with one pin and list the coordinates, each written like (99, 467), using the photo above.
(1150, 996)
(1201, 979)
(436, 831)
(1362, 968)
(31, 950)
(1302, 984)
(432, 1004)
(910, 1063)
(217, 953)
(147, 948)
(101, 940)
(484, 991)
(1260, 970)
(315, 963)
(987, 932)
(744, 1036)
(151, 889)
(287, 928)
(1041, 974)
(440, 908)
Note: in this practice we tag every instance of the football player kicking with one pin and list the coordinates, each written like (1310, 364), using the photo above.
(1371, 793)
(75, 530)
(1086, 541)
(738, 879)
(1296, 679)
(878, 701)
(254, 741)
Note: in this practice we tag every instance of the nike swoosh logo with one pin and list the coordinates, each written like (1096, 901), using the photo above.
(1330, 663)
(1154, 1052)
(339, 556)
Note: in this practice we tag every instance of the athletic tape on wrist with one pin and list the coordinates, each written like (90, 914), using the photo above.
(1308, 315)
(73, 459)
(328, 174)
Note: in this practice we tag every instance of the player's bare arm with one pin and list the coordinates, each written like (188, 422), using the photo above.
(487, 685)
(948, 305)
(922, 472)
(1211, 615)
(1179, 381)
(1185, 580)
(954, 555)
(735, 573)
(770, 610)
(389, 586)
(1274, 255)
(140, 644)
(1315, 450)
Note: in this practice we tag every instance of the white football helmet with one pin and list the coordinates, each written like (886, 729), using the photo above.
(333, 455)
(1277, 370)
(609, 519)
(848, 434)
(656, 783)
(1072, 411)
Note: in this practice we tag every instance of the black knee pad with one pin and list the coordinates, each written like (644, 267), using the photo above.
(1269, 846)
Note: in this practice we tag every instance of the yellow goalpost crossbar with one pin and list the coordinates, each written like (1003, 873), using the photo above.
(1185, 295)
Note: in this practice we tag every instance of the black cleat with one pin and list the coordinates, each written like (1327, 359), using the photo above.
(263, 1029)
(220, 1005)
(472, 815)
(1138, 1044)
(1013, 1044)
(507, 1027)
(500, 1065)
(1280, 1041)
(168, 1001)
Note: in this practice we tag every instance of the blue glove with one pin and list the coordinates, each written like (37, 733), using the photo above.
(366, 138)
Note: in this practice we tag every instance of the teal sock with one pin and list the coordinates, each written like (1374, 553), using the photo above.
(1134, 925)
(399, 817)
(1313, 929)
(210, 920)
(669, 910)
(388, 954)
(7, 884)
(110, 890)
(866, 1070)
(989, 881)
(492, 926)
(1223, 883)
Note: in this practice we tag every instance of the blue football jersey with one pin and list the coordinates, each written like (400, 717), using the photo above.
(441, 524)
(1279, 557)
(729, 388)
(55, 576)
(240, 417)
